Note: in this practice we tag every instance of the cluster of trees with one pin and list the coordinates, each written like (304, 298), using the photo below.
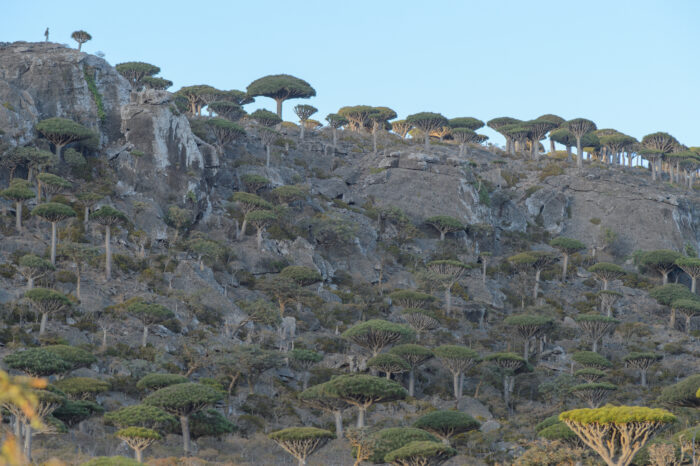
(395, 349)
(192, 405)
(142, 75)
(661, 150)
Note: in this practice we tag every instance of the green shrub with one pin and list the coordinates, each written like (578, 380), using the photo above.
(421, 453)
(210, 423)
(683, 393)
(390, 439)
(158, 381)
(551, 169)
(111, 461)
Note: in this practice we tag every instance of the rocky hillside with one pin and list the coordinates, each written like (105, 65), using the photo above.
(334, 237)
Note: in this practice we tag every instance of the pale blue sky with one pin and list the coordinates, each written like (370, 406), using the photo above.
(630, 65)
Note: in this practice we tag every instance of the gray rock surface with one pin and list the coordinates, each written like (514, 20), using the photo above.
(40, 80)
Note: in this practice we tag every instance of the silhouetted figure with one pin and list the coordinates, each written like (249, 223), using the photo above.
(46, 34)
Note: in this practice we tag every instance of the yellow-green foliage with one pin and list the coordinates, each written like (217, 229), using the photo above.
(300, 433)
(552, 169)
(609, 414)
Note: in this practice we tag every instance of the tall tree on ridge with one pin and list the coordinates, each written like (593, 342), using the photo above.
(281, 87)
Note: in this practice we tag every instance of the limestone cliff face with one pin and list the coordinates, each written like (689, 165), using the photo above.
(43, 80)
(609, 209)
(153, 148)
(160, 156)
(148, 122)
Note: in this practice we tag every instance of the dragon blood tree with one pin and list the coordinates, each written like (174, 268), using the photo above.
(420, 320)
(529, 326)
(301, 442)
(363, 391)
(414, 355)
(642, 361)
(606, 272)
(376, 334)
(617, 433)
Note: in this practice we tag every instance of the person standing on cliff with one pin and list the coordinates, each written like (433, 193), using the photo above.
(46, 34)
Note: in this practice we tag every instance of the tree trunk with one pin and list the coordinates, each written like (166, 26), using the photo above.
(665, 277)
(301, 133)
(144, 338)
(139, 455)
(534, 149)
(605, 284)
(242, 230)
(595, 345)
(564, 266)
(53, 243)
(643, 373)
(526, 349)
(448, 300)
(442, 235)
(185, 424)
(59, 151)
(335, 139)
(18, 216)
(579, 153)
(279, 107)
(28, 441)
(552, 148)
(267, 160)
(506, 391)
(42, 326)
(455, 384)
(17, 427)
(687, 324)
(108, 252)
(374, 137)
(30, 283)
(361, 416)
(461, 385)
(411, 382)
(104, 339)
(251, 385)
(483, 271)
(338, 415)
(427, 140)
(388, 375)
(672, 323)
(259, 238)
(86, 217)
(77, 284)
(537, 284)
(693, 283)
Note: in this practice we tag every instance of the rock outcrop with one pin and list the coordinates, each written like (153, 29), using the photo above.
(40, 80)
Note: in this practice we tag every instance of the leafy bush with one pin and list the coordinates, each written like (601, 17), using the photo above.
(682, 393)
(210, 423)
(158, 381)
(387, 440)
